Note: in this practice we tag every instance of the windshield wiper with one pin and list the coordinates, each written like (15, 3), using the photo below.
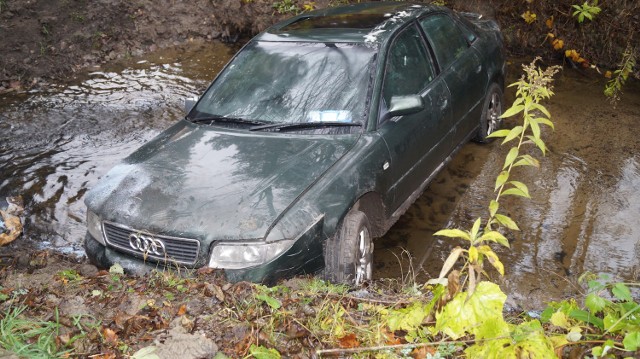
(303, 125)
(223, 119)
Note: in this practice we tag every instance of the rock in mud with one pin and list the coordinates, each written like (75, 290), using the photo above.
(178, 343)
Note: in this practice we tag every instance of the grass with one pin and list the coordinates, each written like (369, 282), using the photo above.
(29, 338)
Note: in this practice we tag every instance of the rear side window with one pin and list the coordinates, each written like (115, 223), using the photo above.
(447, 39)
(408, 69)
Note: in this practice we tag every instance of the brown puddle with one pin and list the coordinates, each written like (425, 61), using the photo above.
(582, 215)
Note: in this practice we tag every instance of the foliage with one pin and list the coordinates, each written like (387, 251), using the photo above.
(29, 338)
(284, 7)
(609, 315)
(586, 10)
(613, 88)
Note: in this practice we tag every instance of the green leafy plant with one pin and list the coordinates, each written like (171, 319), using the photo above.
(532, 88)
(613, 88)
(586, 11)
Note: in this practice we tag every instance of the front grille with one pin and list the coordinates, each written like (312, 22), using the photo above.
(178, 250)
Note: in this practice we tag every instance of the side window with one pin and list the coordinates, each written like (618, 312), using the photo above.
(447, 39)
(408, 69)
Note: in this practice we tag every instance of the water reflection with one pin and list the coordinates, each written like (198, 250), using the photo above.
(61, 140)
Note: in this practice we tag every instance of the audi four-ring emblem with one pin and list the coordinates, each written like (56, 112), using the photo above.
(147, 244)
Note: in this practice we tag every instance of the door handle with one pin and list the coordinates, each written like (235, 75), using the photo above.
(444, 103)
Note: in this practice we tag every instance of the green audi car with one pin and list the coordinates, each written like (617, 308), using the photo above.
(312, 141)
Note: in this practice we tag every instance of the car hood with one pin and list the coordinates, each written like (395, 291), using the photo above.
(214, 184)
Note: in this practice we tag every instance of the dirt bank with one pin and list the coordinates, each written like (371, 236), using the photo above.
(44, 40)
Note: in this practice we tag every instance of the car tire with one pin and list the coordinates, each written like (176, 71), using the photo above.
(490, 120)
(349, 255)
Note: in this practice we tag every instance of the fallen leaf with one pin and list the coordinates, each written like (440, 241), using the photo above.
(110, 336)
(421, 353)
(529, 17)
(182, 310)
(608, 74)
(549, 22)
(557, 44)
(348, 341)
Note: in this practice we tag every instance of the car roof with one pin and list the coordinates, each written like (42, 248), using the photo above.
(357, 23)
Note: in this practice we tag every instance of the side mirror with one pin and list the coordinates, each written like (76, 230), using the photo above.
(189, 103)
(405, 105)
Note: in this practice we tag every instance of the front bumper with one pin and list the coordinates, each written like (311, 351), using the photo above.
(304, 257)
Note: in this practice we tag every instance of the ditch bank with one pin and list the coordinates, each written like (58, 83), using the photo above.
(45, 41)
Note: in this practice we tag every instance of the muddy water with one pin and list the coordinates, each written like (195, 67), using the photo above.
(56, 144)
(582, 217)
(584, 211)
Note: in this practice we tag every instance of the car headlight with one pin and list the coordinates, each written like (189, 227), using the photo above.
(94, 226)
(244, 255)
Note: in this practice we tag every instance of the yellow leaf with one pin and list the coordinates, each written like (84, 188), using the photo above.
(607, 74)
(557, 44)
(529, 17)
(549, 22)
(473, 254)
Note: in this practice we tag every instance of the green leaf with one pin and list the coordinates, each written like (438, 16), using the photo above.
(453, 233)
(527, 340)
(495, 236)
(545, 122)
(507, 222)
(586, 317)
(535, 128)
(527, 160)
(475, 229)
(539, 107)
(479, 314)
(595, 303)
(622, 292)
(515, 192)
(493, 207)
(498, 134)
(538, 142)
(631, 341)
(521, 186)
(271, 301)
(513, 110)
(260, 352)
(515, 132)
(502, 179)
(511, 156)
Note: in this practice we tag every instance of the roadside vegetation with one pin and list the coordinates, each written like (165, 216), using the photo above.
(459, 313)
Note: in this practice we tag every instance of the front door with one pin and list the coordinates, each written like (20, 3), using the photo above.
(419, 142)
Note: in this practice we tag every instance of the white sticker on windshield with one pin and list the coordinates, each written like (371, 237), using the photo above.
(330, 116)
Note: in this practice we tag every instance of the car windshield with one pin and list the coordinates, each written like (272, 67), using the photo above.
(292, 82)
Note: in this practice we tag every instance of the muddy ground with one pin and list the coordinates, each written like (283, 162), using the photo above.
(45, 40)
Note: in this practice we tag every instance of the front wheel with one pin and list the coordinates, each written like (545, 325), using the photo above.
(349, 255)
(490, 120)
